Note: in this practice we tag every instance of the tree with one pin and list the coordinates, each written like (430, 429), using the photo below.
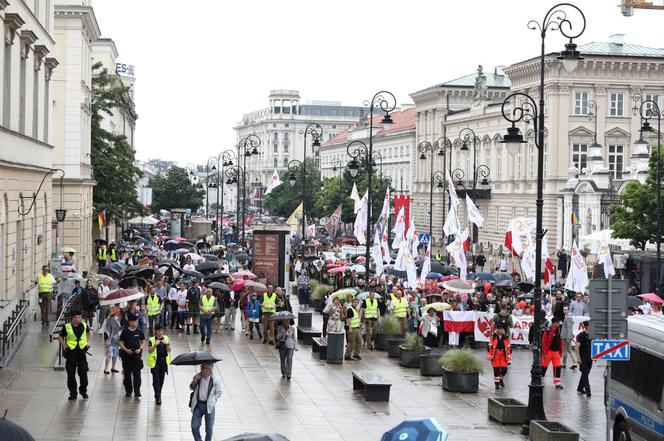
(175, 190)
(111, 155)
(284, 199)
(635, 217)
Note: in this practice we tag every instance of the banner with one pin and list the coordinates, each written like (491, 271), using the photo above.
(518, 333)
(399, 202)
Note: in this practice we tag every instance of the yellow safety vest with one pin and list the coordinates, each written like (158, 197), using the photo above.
(45, 282)
(401, 307)
(71, 338)
(208, 305)
(152, 356)
(269, 304)
(101, 254)
(355, 320)
(439, 257)
(371, 309)
(393, 297)
(113, 256)
(153, 305)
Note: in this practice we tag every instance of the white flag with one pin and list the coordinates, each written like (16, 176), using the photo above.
(604, 254)
(474, 214)
(399, 228)
(378, 258)
(274, 182)
(360, 226)
(528, 258)
(355, 196)
(458, 253)
(411, 239)
(577, 278)
(426, 265)
(411, 268)
(454, 199)
(451, 223)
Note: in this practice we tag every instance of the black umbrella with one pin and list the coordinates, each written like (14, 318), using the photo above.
(220, 286)
(241, 255)
(109, 272)
(171, 245)
(195, 274)
(507, 284)
(170, 270)
(128, 282)
(416, 430)
(526, 286)
(143, 272)
(216, 276)
(13, 432)
(100, 241)
(437, 267)
(398, 273)
(209, 257)
(207, 267)
(194, 358)
(117, 266)
(257, 437)
(634, 302)
(501, 276)
(282, 315)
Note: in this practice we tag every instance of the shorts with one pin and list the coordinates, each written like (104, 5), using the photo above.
(113, 351)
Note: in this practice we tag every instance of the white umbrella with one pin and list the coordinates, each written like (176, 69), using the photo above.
(143, 220)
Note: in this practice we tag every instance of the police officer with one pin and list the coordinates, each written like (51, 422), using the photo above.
(113, 252)
(132, 342)
(354, 340)
(45, 282)
(268, 307)
(74, 339)
(371, 315)
(153, 303)
(159, 358)
(102, 256)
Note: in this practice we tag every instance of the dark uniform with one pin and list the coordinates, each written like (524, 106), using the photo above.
(585, 361)
(132, 363)
(75, 338)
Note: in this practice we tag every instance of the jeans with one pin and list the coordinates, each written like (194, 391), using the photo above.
(286, 358)
(197, 418)
(165, 314)
(153, 320)
(568, 350)
(230, 317)
(206, 328)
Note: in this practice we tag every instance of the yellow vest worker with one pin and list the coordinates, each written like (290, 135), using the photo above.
(269, 304)
(73, 341)
(45, 283)
(371, 309)
(355, 320)
(153, 305)
(101, 254)
(152, 356)
(208, 305)
(401, 307)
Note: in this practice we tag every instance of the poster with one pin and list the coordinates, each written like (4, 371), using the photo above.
(266, 257)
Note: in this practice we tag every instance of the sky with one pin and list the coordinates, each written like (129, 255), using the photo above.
(201, 64)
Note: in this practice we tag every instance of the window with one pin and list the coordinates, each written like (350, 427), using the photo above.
(6, 87)
(286, 161)
(499, 164)
(334, 126)
(517, 171)
(649, 381)
(401, 151)
(616, 160)
(274, 125)
(581, 103)
(487, 156)
(275, 147)
(617, 104)
(286, 125)
(531, 161)
(651, 97)
(276, 136)
(580, 156)
(276, 162)
(286, 147)
(286, 109)
(286, 136)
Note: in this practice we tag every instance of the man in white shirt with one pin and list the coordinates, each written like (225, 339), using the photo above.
(103, 291)
(189, 266)
(207, 390)
(181, 300)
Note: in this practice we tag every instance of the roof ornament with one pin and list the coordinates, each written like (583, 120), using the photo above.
(481, 91)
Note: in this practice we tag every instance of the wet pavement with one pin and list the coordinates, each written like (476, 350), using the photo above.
(318, 403)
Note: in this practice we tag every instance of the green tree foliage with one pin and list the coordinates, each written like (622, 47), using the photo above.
(174, 190)
(635, 217)
(284, 199)
(111, 155)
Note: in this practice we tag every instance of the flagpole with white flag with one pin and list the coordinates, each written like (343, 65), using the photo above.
(274, 182)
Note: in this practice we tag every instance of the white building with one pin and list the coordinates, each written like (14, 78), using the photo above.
(576, 174)
(26, 153)
(393, 148)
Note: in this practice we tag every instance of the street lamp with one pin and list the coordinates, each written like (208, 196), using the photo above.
(210, 166)
(225, 159)
(233, 177)
(555, 19)
(247, 147)
(648, 110)
(424, 147)
(337, 165)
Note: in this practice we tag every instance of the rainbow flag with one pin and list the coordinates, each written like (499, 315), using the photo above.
(575, 216)
(101, 219)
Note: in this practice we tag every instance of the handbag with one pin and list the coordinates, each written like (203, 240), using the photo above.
(281, 344)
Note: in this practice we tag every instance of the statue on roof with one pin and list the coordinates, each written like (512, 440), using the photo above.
(363, 119)
(481, 92)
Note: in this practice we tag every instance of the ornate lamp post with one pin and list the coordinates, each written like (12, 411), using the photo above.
(225, 159)
(528, 111)
(247, 147)
(233, 175)
(441, 145)
(210, 166)
(337, 165)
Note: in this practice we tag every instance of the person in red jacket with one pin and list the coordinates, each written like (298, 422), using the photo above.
(552, 350)
(500, 353)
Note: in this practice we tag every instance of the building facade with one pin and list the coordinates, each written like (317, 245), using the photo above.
(26, 152)
(594, 102)
(76, 29)
(393, 149)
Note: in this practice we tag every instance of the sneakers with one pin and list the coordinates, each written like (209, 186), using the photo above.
(138, 395)
(71, 397)
(85, 396)
(348, 358)
(207, 342)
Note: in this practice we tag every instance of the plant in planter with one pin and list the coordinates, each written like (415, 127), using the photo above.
(389, 328)
(411, 349)
(461, 371)
(551, 431)
(317, 291)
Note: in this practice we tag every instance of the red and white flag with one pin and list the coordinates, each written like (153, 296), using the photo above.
(548, 264)
(399, 228)
(274, 182)
(474, 214)
(459, 321)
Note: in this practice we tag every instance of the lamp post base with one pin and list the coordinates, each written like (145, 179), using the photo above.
(535, 410)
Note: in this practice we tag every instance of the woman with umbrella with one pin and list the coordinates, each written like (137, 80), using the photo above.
(287, 345)
(303, 289)
(430, 328)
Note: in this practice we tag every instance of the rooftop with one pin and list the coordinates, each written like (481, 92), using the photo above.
(625, 50)
(402, 120)
(492, 80)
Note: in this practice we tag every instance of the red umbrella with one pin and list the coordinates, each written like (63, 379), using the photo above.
(120, 296)
(237, 285)
(339, 269)
(652, 297)
(180, 239)
(447, 278)
(242, 274)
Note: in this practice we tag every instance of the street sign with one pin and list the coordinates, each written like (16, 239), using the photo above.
(423, 238)
(614, 350)
(599, 309)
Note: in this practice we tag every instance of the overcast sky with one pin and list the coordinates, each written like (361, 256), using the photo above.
(201, 64)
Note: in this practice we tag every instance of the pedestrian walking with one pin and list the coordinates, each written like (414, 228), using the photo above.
(303, 289)
(401, 311)
(112, 330)
(132, 342)
(499, 354)
(45, 284)
(585, 360)
(206, 390)
(103, 290)
(89, 302)
(268, 307)
(503, 320)
(334, 323)
(371, 316)
(162, 293)
(578, 307)
(193, 298)
(430, 328)
(208, 306)
(287, 345)
(567, 335)
(326, 301)
(74, 338)
(181, 301)
(254, 316)
(353, 315)
(102, 256)
(154, 306)
(552, 349)
(231, 300)
(159, 358)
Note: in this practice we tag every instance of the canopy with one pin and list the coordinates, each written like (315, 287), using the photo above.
(143, 220)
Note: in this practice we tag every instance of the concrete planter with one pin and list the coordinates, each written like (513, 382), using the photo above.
(411, 357)
(317, 304)
(507, 410)
(304, 319)
(393, 350)
(380, 342)
(551, 431)
(462, 382)
(429, 365)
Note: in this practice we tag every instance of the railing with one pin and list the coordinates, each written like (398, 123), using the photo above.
(12, 328)
(59, 323)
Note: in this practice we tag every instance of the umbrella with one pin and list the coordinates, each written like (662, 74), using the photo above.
(220, 286)
(365, 294)
(209, 257)
(194, 358)
(109, 272)
(438, 267)
(438, 306)
(360, 269)
(180, 239)
(237, 285)
(67, 285)
(241, 255)
(143, 272)
(217, 247)
(526, 286)
(282, 315)
(195, 274)
(100, 241)
(68, 250)
(416, 430)
(241, 274)
(338, 269)
(528, 296)
(10, 431)
(342, 293)
(169, 269)
(120, 296)
(434, 276)
(485, 277)
(117, 266)
(501, 276)
(128, 282)
(634, 302)
(216, 276)
(208, 267)
(507, 284)
(257, 286)
(399, 273)
(193, 256)
(171, 245)
(258, 437)
(652, 297)
(447, 278)
(181, 251)
(458, 286)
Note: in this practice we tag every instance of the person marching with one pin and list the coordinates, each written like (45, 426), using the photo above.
(353, 315)
(102, 256)
(74, 339)
(268, 307)
(208, 307)
(132, 342)
(499, 354)
(159, 358)
(154, 306)
(45, 283)
(583, 350)
(552, 350)
(254, 315)
(371, 316)
(401, 311)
